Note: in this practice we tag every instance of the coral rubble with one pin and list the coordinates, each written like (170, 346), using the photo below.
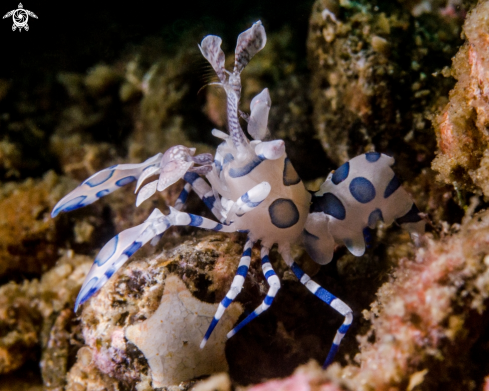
(38, 313)
(29, 237)
(425, 322)
(376, 77)
(170, 338)
(462, 126)
(145, 322)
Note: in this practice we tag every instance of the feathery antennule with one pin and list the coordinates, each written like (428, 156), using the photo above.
(210, 48)
(249, 43)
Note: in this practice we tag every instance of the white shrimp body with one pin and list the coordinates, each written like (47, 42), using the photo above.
(252, 187)
(280, 218)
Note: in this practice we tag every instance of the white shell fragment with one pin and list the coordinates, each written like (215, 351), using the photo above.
(170, 338)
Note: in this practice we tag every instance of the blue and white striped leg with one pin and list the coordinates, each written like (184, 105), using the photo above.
(252, 198)
(274, 286)
(205, 193)
(182, 198)
(236, 286)
(117, 251)
(121, 247)
(329, 299)
(178, 218)
(249, 201)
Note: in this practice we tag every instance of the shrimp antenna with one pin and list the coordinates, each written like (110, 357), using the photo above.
(209, 84)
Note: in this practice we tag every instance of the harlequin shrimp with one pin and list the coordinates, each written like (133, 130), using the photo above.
(251, 186)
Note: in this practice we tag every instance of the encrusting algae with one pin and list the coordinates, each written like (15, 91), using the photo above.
(424, 324)
(376, 76)
(462, 126)
(115, 322)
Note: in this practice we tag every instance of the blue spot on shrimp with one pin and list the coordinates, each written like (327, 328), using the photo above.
(252, 187)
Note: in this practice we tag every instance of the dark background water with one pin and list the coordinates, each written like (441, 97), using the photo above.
(72, 36)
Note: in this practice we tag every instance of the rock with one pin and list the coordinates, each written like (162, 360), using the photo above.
(461, 127)
(170, 338)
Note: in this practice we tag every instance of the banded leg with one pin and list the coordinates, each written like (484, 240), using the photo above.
(249, 200)
(182, 198)
(203, 190)
(236, 286)
(274, 286)
(122, 246)
(329, 299)
(205, 193)
(187, 219)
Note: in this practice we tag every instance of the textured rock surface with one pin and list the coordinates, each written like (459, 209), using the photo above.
(170, 338)
(38, 313)
(376, 76)
(430, 315)
(84, 375)
(462, 126)
(29, 237)
(113, 321)
(427, 324)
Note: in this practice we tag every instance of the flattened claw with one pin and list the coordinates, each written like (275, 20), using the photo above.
(102, 183)
(174, 164)
(116, 252)
(146, 192)
(172, 172)
(150, 171)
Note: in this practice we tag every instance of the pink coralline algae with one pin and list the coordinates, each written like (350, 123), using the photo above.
(424, 324)
(462, 125)
(306, 378)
